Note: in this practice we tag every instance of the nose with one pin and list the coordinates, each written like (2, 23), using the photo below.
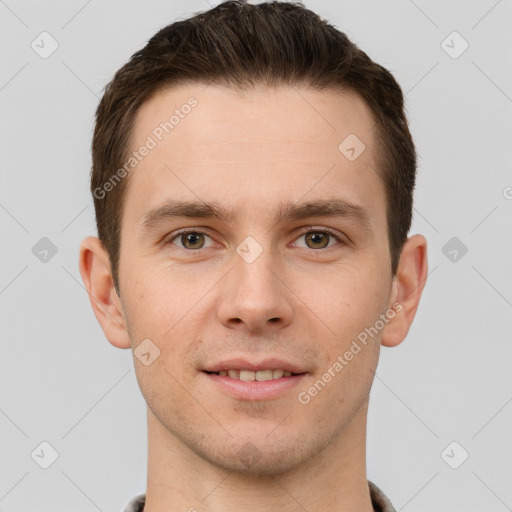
(256, 296)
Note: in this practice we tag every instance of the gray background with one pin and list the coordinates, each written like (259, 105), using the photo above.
(61, 381)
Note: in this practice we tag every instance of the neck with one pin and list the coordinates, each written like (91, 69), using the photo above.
(335, 479)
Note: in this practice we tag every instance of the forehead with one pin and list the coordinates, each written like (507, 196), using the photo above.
(265, 114)
(253, 149)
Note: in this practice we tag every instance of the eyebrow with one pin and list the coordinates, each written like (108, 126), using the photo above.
(334, 207)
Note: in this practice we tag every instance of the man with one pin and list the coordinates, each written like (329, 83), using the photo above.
(253, 178)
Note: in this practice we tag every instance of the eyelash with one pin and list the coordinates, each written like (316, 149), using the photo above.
(175, 235)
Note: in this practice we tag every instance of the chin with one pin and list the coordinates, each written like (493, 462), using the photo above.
(251, 461)
(258, 455)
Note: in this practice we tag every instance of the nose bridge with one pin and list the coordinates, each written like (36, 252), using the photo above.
(254, 293)
(254, 270)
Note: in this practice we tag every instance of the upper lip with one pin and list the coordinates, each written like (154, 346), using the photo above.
(265, 364)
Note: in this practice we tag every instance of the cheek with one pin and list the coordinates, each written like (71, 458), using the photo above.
(347, 299)
(156, 300)
(351, 308)
(351, 348)
(168, 309)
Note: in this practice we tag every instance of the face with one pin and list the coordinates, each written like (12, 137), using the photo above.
(265, 276)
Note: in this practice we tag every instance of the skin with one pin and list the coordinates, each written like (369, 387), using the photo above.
(298, 300)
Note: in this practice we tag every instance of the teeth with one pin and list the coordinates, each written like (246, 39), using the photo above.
(260, 375)
(247, 375)
(264, 375)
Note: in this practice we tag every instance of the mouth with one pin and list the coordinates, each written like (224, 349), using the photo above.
(259, 375)
(244, 380)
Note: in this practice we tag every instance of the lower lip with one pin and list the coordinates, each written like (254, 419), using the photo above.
(253, 389)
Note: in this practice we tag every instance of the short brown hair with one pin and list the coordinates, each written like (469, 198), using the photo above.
(239, 45)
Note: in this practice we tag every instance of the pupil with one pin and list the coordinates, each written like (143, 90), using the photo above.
(191, 238)
(317, 237)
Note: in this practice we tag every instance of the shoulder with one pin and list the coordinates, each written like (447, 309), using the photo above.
(380, 501)
(136, 504)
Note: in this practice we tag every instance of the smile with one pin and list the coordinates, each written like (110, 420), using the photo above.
(245, 385)
(260, 375)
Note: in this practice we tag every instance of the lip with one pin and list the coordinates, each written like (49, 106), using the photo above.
(273, 363)
(255, 390)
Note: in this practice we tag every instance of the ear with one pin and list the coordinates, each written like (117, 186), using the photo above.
(97, 277)
(407, 286)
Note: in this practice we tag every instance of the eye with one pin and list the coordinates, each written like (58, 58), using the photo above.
(190, 239)
(318, 239)
(194, 240)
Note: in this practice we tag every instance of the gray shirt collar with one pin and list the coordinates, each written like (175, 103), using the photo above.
(380, 501)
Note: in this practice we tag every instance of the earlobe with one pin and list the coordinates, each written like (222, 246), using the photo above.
(407, 288)
(97, 277)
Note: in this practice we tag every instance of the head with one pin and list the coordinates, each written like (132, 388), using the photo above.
(271, 121)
